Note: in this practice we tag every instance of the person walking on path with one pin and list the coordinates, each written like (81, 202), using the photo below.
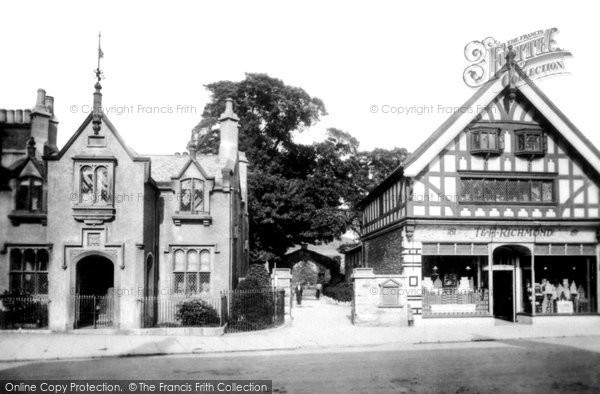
(299, 290)
(319, 289)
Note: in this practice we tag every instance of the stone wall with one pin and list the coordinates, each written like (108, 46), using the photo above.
(383, 253)
(371, 304)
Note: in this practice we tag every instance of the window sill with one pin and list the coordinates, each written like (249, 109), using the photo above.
(486, 152)
(93, 214)
(510, 203)
(183, 217)
(18, 217)
(390, 306)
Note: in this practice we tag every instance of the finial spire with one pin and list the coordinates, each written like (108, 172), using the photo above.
(97, 111)
(511, 63)
(228, 113)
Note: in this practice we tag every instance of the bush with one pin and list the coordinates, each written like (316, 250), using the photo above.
(342, 292)
(197, 313)
(252, 306)
(259, 273)
(21, 310)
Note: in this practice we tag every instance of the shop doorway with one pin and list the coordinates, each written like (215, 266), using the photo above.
(504, 295)
(511, 282)
(94, 298)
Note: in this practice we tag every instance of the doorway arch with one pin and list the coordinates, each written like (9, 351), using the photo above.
(94, 292)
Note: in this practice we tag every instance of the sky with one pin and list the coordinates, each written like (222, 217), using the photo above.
(353, 55)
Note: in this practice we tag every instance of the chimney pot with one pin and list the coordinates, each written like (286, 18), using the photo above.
(2, 115)
(49, 104)
(19, 116)
(10, 116)
(27, 116)
(40, 103)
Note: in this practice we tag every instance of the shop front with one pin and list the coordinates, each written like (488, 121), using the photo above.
(513, 272)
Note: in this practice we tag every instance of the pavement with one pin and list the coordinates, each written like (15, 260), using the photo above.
(316, 325)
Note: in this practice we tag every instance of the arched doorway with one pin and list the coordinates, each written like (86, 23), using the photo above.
(511, 282)
(94, 302)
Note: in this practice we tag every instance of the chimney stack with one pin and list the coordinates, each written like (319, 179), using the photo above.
(192, 146)
(50, 145)
(40, 120)
(228, 147)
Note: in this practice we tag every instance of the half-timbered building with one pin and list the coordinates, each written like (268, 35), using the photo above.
(496, 214)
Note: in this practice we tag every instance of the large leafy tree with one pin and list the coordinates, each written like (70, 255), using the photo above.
(297, 193)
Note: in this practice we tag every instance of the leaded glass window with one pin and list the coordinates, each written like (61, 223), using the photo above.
(506, 190)
(94, 185)
(191, 271)
(192, 195)
(29, 271)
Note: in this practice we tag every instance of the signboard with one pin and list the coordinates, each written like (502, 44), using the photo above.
(500, 233)
(536, 53)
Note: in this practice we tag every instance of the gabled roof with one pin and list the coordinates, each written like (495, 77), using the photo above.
(440, 138)
(417, 161)
(165, 167)
(15, 169)
(134, 156)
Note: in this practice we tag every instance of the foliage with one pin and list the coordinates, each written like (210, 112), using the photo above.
(258, 273)
(346, 246)
(252, 306)
(197, 313)
(296, 193)
(305, 273)
(342, 292)
(22, 310)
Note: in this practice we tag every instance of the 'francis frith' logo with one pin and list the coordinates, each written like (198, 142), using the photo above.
(537, 54)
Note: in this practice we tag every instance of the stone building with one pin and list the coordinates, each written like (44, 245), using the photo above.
(95, 218)
(496, 214)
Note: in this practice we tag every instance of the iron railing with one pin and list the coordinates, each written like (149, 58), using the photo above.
(255, 309)
(184, 311)
(93, 311)
(455, 302)
(28, 312)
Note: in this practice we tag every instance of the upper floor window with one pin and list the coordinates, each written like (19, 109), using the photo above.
(507, 190)
(29, 270)
(94, 186)
(529, 142)
(191, 271)
(486, 141)
(30, 194)
(192, 195)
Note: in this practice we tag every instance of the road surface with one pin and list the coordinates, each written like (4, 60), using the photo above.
(553, 365)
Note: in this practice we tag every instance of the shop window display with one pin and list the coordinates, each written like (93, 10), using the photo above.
(565, 285)
(453, 285)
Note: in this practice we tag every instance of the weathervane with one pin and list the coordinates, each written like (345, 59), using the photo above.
(97, 111)
(98, 72)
